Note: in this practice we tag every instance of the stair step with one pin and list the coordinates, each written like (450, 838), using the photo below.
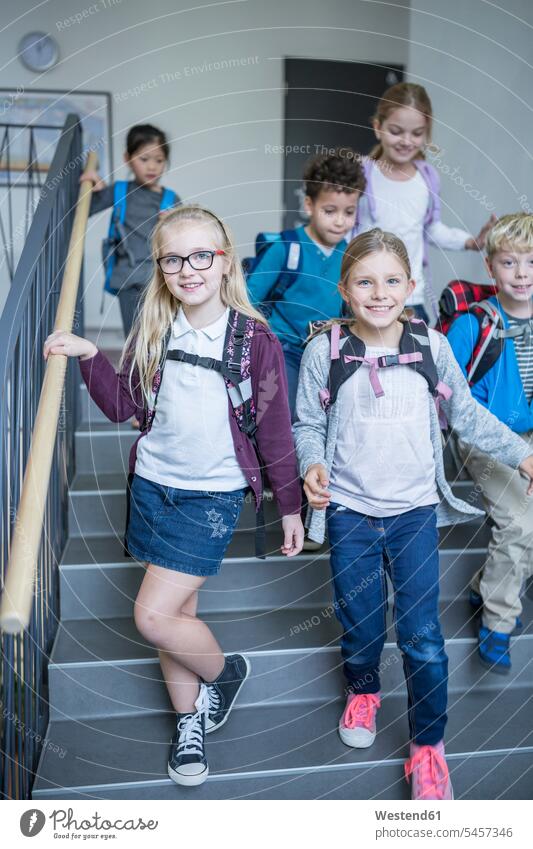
(103, 446)
(97, 580)
(89, 411)
(91, 590)
(279, 743)
(97, 505)
(105, 667)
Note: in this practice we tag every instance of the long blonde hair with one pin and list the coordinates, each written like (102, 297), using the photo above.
(403, 94)
(159, 307)
(364, 245)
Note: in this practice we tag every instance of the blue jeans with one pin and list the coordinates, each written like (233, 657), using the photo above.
(293, 357)
(363, 551)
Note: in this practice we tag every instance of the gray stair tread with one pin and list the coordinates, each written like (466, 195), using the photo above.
(118, 639)
(98, 426)
(473, 778)
(275, 738)
(89, 640)
(86, 482)
(108, 549)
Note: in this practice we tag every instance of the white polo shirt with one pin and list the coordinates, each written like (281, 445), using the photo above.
(190, 445)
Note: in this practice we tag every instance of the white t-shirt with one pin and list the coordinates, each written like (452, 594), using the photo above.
(384, 463)
(401, 209)
(190, 445)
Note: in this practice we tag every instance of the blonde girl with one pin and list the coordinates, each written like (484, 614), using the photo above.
(402, 193)
(370, 452)
(196, 345)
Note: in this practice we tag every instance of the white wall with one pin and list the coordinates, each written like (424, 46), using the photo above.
(475, 60)
(219, 120)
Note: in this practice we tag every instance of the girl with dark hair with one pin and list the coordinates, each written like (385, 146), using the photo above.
(137, 205)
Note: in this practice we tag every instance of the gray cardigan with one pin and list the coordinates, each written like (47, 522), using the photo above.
(315, 432)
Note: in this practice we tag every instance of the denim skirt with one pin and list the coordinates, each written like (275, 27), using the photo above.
(182, 529)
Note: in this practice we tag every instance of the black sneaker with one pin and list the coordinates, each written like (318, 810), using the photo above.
(187, 763)
(223, 691)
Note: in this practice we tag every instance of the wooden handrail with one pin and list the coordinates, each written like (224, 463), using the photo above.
(17, 597)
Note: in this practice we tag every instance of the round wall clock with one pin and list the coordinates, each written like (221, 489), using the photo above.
(38, 51)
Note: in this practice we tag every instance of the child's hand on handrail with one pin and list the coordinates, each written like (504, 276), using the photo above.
(93, 177)
(315, 487)
(61, 342)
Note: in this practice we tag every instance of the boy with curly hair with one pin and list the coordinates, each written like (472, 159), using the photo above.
(296, 276)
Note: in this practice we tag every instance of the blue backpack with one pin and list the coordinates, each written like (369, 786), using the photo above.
(292, 264)
(116, 234)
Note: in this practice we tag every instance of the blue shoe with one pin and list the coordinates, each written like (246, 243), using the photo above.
(493, 650)
(476, 602)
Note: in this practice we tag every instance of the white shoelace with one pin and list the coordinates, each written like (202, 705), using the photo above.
(215, 700)
(190, 727)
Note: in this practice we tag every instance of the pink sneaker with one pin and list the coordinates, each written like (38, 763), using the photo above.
(428, 771)
(357, 725)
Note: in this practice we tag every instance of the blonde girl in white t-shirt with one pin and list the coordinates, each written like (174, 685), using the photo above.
(402, 194)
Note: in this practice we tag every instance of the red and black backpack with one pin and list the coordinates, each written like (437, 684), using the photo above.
(461, 297)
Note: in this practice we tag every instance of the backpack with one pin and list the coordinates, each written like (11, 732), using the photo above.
(292, 264)
(347, 354)
(235, 369)
(116, 235)
(461, 297)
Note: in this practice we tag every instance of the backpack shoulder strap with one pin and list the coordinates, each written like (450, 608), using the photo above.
(415, 340)
(432, 181)
(293, 250)
(120, 194)
(237, 355)
(347, 353)
(168, 199)
(368, 165)
(236, 372)
(489, 343)
(292, 265)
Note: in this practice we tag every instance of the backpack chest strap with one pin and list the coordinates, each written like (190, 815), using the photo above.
(239, 392)
(385, 361)
(513, 332)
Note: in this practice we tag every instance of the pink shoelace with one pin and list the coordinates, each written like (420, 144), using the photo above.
(432, 775)
(361, 710)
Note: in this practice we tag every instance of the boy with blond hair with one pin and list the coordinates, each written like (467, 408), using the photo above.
(507, 391)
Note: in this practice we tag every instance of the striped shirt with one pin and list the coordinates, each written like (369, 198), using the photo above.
(524, 353)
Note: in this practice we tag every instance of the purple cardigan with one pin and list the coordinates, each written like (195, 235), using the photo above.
(111, 393)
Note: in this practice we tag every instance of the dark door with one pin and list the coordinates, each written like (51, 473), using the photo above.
(327, 105)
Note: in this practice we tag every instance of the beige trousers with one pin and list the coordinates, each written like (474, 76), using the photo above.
(510, 552)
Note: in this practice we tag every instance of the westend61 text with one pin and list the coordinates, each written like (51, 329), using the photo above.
(407, 815)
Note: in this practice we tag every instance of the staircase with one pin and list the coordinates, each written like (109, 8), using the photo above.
(110, 717)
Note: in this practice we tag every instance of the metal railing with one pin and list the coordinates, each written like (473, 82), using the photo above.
(34, 515)
(27, 173)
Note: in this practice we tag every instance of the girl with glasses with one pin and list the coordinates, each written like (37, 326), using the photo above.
(195, 459)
